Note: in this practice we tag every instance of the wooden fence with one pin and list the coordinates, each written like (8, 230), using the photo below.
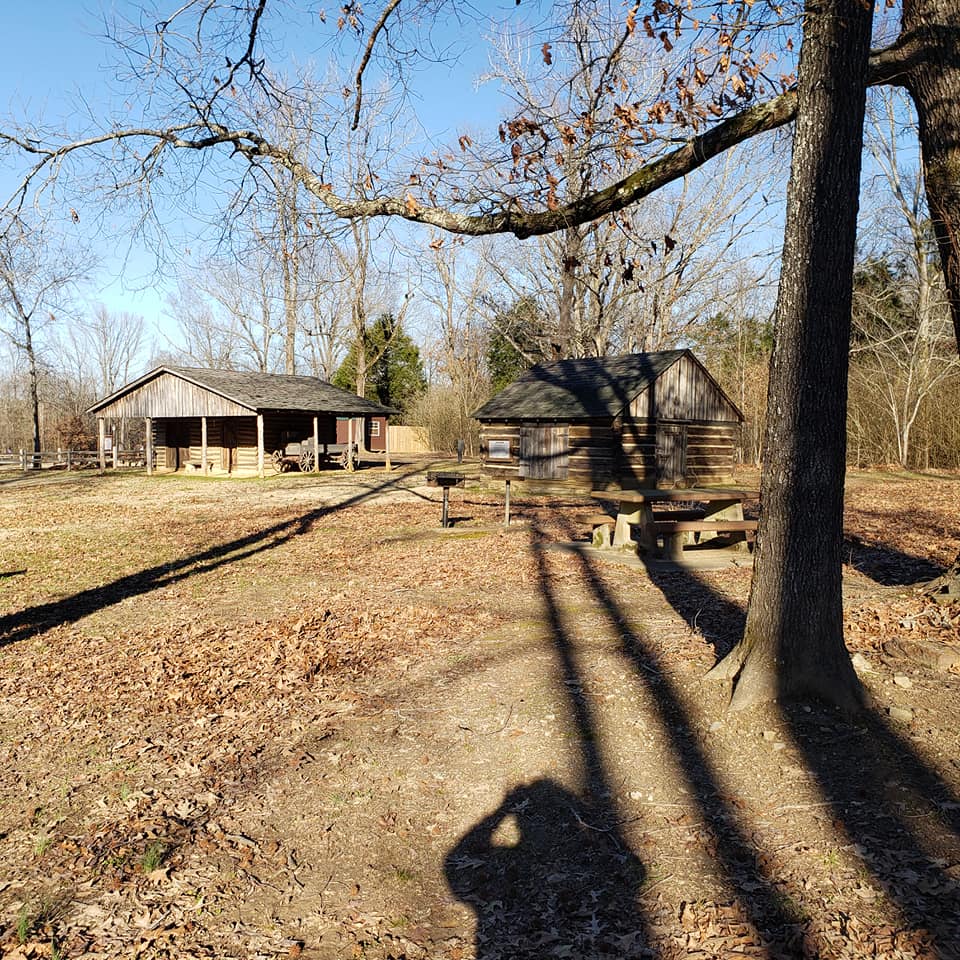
(27, 460)
(408, 439)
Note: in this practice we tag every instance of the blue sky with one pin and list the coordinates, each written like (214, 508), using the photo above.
(48, 51)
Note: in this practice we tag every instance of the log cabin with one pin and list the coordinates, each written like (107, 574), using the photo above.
(232, 421)
(603, 423)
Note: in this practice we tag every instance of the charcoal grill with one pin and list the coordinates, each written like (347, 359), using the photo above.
(445, 479)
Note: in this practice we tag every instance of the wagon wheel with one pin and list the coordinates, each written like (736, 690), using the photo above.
(278, 461)
(307, 461)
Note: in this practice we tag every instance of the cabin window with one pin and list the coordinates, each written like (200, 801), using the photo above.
(544, 452)
(498, 449)
(374, 428)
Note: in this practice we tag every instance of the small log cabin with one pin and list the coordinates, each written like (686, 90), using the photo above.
(231, 421)
(600, 423)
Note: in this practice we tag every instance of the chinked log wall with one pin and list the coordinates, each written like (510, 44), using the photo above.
(591, 461)
(246, 438)
(710, 451)
(603, 455)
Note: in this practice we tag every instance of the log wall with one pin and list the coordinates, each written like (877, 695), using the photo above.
(590, 462)
(709, 456)
(606, 455)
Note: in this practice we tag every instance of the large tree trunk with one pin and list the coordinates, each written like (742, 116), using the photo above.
(933, 28)
(933, 79)
(793, 641)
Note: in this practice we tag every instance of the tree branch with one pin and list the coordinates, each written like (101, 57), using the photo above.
(886, 66)
(367, 53)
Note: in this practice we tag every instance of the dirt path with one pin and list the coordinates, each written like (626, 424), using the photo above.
(297, 719)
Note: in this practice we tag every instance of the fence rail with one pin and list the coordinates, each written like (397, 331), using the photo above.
(69, 459)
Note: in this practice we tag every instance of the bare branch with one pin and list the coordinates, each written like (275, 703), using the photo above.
(367, 53)
(512, 218)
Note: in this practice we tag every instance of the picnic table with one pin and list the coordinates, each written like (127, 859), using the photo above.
(677, 516)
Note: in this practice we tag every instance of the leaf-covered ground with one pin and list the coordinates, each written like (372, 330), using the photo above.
(295, 718)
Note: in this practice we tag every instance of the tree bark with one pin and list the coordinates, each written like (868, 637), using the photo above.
(34, 396)
(792, 646)
(570, 262)
(933, 81)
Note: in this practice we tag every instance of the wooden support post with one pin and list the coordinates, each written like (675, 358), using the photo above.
(506, 504)
(386, 441)
(115, 444)
(260, 445)
(102, 443)
(316, 444)
(350, 444)
(69, 454)
(204, 468)
(148, 444)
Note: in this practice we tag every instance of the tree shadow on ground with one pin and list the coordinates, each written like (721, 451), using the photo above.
(900, 815)
(718, 619)
(888, 566)
(627, 931)
(32, 620)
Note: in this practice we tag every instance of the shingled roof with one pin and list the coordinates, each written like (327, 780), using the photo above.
(585, 388)
(265, 391)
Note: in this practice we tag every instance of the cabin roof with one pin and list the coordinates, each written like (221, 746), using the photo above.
(584, 388)
(262, 391)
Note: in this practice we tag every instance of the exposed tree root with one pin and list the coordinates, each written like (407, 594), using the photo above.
(758, 678)
(946, 588)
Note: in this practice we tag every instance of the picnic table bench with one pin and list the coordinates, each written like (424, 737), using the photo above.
(678, 516)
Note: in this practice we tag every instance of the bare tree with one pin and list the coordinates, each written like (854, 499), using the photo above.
(36, 277)
(460, 292)
(792, 648)
(114, 344)
(205, 338)
(247, 296)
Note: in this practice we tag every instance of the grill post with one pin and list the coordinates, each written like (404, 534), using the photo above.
(446, 480)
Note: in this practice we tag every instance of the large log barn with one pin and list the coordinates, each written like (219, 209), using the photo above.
(231, 421)
(601, 423)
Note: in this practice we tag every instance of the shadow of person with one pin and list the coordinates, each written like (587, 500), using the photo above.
(546, 876)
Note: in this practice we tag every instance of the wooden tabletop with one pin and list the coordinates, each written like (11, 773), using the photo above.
(694, 494)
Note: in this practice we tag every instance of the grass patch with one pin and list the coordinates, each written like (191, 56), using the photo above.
(39, 919)
(153, 856)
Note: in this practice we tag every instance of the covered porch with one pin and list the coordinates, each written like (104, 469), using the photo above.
(218, 422)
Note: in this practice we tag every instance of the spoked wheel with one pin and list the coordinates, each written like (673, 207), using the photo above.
(307, 461)
(278, 461)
